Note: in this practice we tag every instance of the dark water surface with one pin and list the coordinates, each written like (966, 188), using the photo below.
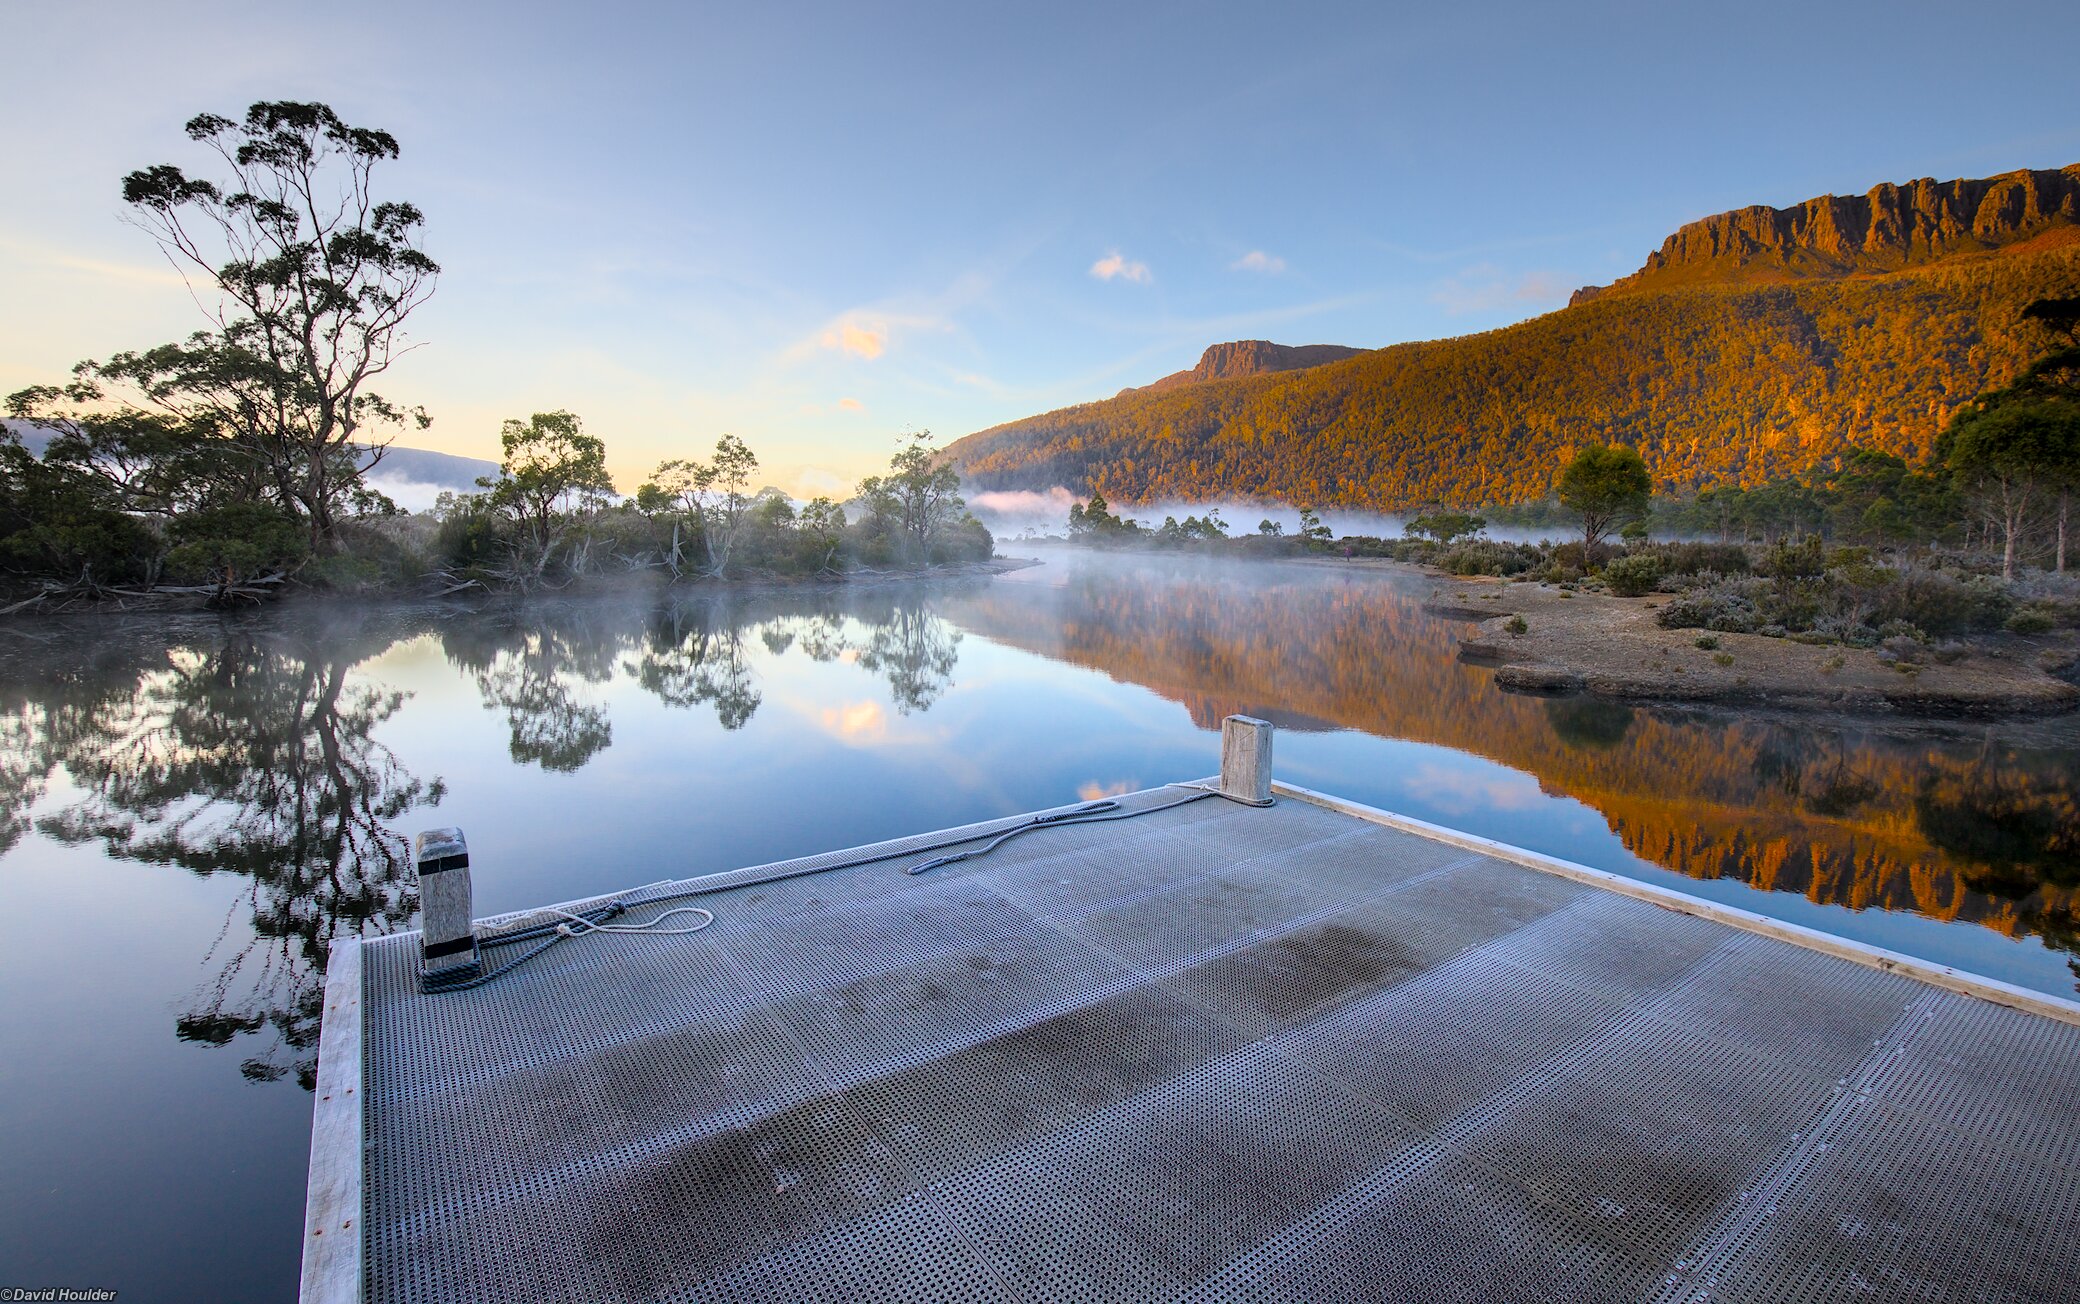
(190, 810)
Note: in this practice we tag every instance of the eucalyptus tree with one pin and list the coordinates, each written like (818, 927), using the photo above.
(1605, 487)
(715, 495)
(921, 495)
(550, 471)
(822, 526)
(2020, 444)
(307, 279)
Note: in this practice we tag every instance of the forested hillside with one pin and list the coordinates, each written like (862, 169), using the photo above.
(1713, 383)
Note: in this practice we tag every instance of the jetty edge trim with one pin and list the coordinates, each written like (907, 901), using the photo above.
(332, 1230)
(1944, 976)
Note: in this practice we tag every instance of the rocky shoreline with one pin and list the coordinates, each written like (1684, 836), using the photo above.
(1575, 641)
(1546, 640)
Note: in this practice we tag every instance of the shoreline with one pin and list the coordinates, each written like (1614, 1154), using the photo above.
(639, 583)
(1611, 647)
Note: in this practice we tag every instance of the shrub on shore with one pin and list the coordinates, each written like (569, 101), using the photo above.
(1487, 557)
(1634, 574)
(1859, 603)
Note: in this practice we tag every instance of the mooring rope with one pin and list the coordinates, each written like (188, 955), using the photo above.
(581, 923)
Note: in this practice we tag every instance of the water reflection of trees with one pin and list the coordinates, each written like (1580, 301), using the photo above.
(538, 665)
(699, 653)
(694, 655)
(248, 751)
(1954, 822)
(914, 650)
(250, 748)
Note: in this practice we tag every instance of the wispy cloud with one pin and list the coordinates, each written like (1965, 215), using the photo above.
(141, 275)
(1115, 267)
(1460, 791)
(1256, 260)
(1487, 288)
(851, 405)
(856, 338)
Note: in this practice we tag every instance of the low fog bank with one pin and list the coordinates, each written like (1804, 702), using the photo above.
(416, 496)
(1012, 515)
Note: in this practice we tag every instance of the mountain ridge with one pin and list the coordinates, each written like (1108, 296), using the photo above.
(1888, 228)
(1720, 361)
(1248, 358)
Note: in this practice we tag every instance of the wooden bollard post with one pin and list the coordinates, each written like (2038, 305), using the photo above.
(447, 928)
(1246, 760)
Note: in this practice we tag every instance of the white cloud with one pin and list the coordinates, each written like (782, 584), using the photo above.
(1114, 266)
(1256, 260)
(1012, 511)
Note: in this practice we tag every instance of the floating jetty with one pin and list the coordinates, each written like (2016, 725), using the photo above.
(1310, 1051)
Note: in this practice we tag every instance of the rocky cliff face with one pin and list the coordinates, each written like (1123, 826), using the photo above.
(1250, 358)
(1891, 227)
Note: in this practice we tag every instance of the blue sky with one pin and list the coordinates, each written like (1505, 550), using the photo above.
(816, 226)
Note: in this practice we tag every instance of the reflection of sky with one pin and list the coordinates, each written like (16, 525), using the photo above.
(829, 760)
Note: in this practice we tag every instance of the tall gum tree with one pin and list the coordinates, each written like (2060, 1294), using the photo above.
(307, 278)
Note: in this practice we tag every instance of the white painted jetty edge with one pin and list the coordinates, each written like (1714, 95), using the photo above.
(1876, 957)
(332, 1206)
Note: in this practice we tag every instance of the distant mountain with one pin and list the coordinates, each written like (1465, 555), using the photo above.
(1751, 344)
(423, 466)
(32, 436)
(1249, 358)
(1892, 227)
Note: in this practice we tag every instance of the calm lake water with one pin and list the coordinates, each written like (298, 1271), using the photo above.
(190, 810)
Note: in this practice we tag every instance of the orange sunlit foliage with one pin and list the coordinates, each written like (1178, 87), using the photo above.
(1713, 384)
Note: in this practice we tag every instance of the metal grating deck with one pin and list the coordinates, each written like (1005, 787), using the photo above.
(1216, 1053)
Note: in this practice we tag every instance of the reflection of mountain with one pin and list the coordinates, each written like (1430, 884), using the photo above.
(1959, 827)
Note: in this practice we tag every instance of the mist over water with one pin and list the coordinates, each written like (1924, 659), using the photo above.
(1013, 514)
(195, 807)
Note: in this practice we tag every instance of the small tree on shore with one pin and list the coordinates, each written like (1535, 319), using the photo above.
(2019, 445)
(1604, 486)
(713, 495)
(920, 495)
(551, 467)
(2013, 456)
(1445, 526)
(822, 524)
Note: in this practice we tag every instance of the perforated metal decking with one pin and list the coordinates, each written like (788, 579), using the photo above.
(1212, 1054)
